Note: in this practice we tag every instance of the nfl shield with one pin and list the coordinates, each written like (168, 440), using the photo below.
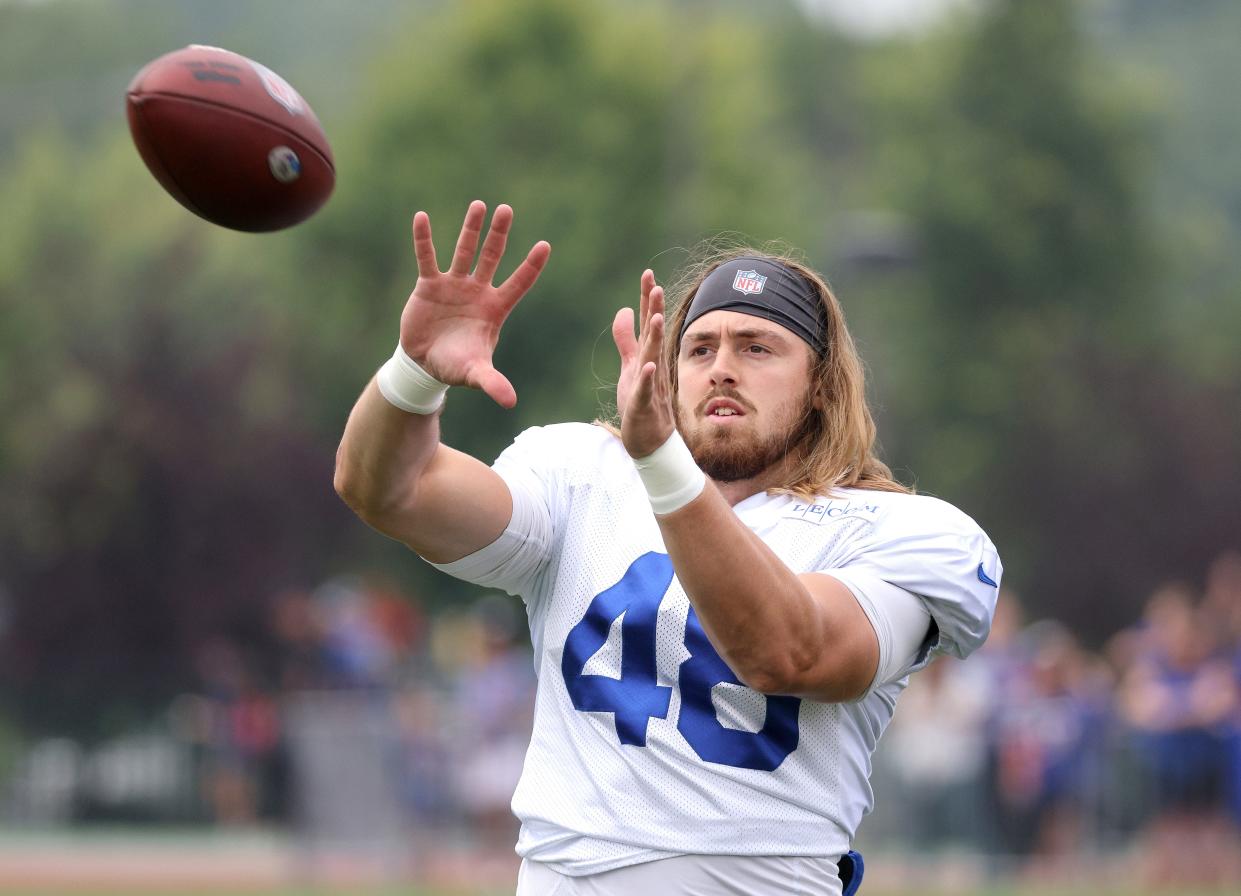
(749, 283)
(280, 90)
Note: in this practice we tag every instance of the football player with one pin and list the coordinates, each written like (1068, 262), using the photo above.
(726, 593)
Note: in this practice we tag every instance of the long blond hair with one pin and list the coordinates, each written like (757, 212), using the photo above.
(841, 452)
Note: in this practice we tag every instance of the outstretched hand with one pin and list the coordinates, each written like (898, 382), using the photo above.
(452, 321)
(643, 390)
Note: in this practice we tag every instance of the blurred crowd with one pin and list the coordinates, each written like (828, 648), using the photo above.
(1040, 752)
(364, 717)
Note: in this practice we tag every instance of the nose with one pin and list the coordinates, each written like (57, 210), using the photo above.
(723, 367)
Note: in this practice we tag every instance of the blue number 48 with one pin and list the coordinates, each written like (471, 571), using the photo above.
(637, 697)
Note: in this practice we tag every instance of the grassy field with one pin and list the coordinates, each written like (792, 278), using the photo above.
(130, 863)
(1051, 890)
(878, 888)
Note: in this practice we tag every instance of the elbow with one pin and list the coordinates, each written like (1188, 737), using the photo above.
(788, 676)
(766, 681)
(355, 499)
(346, 492)
(359, 494)
(345, 481)
(772, 675)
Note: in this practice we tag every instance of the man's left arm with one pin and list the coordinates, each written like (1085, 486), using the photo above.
(780, 632)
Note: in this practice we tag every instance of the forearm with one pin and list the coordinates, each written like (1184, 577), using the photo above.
(756, 611)
(382, 454)
(396, 475)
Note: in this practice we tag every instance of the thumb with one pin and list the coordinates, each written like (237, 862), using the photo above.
(495, 384)
(622, 335)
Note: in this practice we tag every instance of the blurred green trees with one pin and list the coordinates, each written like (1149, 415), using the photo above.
(1000, 204)
(1053, 289)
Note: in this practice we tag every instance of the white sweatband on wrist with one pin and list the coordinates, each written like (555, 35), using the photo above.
(671, 477)
(406, 385)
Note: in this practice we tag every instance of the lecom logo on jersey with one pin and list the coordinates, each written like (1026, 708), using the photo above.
(832, 510)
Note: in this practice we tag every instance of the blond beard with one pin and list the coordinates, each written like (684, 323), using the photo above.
(726, 457)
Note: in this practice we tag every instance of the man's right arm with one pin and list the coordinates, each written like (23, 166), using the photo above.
(391, 468)
(396, 475)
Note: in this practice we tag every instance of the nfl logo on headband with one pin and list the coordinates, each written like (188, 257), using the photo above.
(749, 283)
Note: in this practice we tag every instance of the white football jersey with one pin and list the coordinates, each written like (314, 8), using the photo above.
(645, 744)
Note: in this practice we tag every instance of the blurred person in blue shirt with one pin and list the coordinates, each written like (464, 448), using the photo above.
(1180, 697)
(1047, 742)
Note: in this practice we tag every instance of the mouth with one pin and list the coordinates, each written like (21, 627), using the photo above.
(723, 409)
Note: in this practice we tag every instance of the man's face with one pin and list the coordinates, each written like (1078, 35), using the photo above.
(743, 396)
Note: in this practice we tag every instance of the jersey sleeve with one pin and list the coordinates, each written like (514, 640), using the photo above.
(531, 468)
(935, 551)
(901, 621)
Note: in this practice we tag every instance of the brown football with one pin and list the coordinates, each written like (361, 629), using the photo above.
(230, 139)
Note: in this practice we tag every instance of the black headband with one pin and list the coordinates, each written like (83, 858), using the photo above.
(766, 289)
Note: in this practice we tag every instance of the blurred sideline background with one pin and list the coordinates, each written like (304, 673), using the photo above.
(213, 676)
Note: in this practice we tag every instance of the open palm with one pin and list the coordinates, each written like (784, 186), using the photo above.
(452, 321)
(627, 343)
(643, 390)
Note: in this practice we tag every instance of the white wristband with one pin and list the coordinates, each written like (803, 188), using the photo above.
(671, 477)
(406, 385)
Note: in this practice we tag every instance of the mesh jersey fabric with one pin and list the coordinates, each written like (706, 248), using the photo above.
(596, 794)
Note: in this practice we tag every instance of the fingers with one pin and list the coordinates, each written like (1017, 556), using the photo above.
(520, 281)
(467, 242)
(651, 335)
(495, 384)
(644, 388)
(493, 246)
(622, 335)
(644, 298)
(424, 248)
(655, 303)
(649, 347)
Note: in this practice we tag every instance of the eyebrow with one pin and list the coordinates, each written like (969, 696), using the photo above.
(746, 333)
